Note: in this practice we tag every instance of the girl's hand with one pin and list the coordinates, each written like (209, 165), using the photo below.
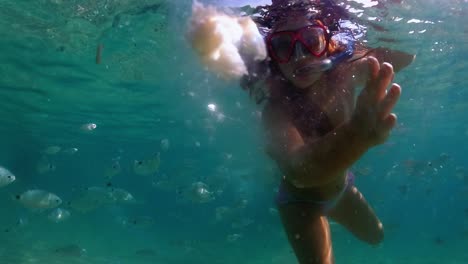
(372, 118)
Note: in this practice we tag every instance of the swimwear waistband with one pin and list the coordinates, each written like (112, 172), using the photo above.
(285, 197)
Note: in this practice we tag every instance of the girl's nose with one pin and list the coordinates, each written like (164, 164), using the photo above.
(299, 50)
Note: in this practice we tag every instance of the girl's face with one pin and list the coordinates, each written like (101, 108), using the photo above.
(296, 70)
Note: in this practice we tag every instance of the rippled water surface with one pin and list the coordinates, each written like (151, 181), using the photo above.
(143, 118)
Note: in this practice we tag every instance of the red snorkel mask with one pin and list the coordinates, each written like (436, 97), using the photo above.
(315, 38)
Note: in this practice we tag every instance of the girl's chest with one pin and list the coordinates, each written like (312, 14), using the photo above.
(317, 114)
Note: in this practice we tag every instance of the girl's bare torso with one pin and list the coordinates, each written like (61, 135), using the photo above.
(333, 94)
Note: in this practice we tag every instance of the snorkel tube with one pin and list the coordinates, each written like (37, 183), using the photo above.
(330, 62)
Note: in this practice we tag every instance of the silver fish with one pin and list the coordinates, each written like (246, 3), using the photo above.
(71, 250)
(6, 177)
(59, 215)
(39, 199)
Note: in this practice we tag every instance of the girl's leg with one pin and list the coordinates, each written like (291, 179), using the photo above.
(308, 233)
(353, 212)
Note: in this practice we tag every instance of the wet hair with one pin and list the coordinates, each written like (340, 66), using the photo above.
(270, 17)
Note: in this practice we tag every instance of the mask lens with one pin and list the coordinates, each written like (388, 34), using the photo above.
(314, 39)
(281, 45)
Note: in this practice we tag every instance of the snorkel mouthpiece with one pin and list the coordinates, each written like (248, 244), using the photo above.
(347, 53)
(332, 61)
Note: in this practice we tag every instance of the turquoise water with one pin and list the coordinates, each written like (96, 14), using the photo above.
(149, 90)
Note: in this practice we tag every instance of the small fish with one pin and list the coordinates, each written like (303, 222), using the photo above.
(59, 215)
(113, 170)
(92, 198)
(38, 199)
(52, 150)
(138, 221)
(165, 144)
(378, 27)
(147, 167)
(121, 195)
(273, 211)
(88, 127)
(233, 237)
(199, 193)
(71, 250)
(388, 40)
(439, 240)
(44, 166)
(403, 189)
(460, 173)
(6, 177)
(70, 151)
(20, 223)
(363, 171)
(441, 161)
(222, 212)
(146, 252)
(99, 53)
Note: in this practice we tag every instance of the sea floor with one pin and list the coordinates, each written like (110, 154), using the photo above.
(349, 252)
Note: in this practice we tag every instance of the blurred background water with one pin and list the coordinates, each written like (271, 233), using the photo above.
(150, 121)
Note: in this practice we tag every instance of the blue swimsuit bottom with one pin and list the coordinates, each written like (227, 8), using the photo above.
(285, 197)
